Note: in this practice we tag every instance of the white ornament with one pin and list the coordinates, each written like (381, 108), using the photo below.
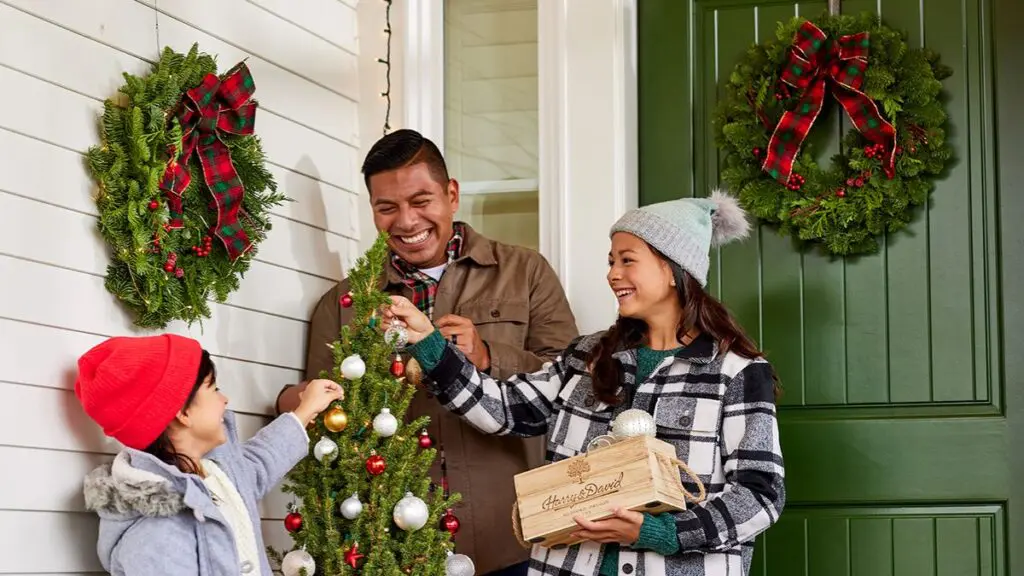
(353, 367)
(325, 449)
(459, 565)
(396, 335)
(295, 561)
(410, 513)
(351, 507)
(385, 424)
(634, 422)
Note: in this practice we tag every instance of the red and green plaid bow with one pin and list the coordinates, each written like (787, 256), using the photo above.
(215, 105)
(815, 61)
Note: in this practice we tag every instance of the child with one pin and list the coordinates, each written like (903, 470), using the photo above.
(674, 352)
(181, 497)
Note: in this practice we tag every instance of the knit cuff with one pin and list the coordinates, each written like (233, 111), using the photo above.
(658, 534)
(428, 351)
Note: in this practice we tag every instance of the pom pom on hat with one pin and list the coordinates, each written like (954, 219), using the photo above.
(684, 230)
(728, 220)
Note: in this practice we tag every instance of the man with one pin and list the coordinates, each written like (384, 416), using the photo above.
(502, 305)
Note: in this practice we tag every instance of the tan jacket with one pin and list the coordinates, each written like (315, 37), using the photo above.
(518, 305)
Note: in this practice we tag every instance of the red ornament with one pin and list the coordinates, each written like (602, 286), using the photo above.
(353, 557)
(346, 301)
(450, 523)
(425, 440)
(397, 367)
(179, 273)
(841, 193)
(859, 182)
(293, 522)
(153, 205)
(376, 465)
(757, 152)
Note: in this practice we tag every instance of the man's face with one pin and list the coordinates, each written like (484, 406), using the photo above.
(417, 212)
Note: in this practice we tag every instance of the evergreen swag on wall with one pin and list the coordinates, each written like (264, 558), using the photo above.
(184, 196)
(896, 144)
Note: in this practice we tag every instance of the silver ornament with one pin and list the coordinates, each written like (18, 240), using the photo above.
(353, 367)
(385, 424)
(410, 513)
(295, 561)
(634, 422)
(325, 448)
(459, 565)
(397, 336)
(351, 507)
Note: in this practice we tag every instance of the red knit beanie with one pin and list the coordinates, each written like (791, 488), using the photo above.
(134, 386)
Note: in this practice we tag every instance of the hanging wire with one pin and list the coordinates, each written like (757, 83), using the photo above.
(386, 61)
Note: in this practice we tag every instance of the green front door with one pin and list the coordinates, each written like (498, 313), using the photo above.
(902, 371)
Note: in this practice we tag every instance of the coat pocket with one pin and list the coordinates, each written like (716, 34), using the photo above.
(691, 425)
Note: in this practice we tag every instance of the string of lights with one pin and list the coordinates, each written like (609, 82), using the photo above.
(386, 61)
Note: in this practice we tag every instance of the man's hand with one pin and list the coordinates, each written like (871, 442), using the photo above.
(623, 528)
(462, 332)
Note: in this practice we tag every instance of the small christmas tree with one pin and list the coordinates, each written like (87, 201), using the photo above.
(368, 502)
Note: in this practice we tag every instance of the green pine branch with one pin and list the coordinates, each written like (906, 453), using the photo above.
(128, 164)
(321, 487)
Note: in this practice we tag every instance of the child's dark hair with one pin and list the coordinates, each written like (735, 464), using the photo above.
(700, 311)
(162, 447)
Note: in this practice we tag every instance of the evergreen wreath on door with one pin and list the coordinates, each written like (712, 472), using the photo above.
(183, 195)
(889, 94)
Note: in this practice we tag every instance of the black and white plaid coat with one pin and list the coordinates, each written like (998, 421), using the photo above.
(718, 412)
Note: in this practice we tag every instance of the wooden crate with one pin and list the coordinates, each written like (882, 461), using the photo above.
(636, 473)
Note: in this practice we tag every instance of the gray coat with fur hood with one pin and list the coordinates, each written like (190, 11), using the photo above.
(156, 520)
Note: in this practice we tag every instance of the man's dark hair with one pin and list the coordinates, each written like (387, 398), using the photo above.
(403, 148)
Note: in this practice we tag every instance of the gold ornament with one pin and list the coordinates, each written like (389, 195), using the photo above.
(336, 420)
(414, 372)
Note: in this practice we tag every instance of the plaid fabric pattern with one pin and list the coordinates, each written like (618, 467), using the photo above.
(424, 288)
(815, 62)
(717, 410)
(215, 105)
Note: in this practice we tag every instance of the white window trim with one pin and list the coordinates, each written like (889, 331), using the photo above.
(588, 150)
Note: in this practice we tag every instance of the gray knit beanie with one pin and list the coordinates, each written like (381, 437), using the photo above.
(684, 230)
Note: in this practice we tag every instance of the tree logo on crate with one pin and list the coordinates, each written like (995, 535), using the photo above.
(577, 470)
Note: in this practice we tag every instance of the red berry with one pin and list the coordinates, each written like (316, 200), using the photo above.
(179, 273)
(841, 193)
(859, 182)
(153, 205)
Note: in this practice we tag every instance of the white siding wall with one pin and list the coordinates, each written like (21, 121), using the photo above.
(58, 60)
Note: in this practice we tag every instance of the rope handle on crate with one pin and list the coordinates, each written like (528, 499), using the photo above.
(517, 526)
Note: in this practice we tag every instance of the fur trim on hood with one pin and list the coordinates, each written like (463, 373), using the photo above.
(118, 489)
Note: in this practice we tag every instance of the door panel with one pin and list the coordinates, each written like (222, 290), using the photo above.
(893, 420)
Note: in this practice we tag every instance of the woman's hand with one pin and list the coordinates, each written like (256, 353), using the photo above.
(416, 323)
(316, 397)
(623, 528)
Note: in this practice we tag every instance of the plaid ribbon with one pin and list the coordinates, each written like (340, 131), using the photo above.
(424, 288)
(816, 61)
(215, 106)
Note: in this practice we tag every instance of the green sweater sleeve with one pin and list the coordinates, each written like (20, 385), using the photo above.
(658, 534)
(429, 350)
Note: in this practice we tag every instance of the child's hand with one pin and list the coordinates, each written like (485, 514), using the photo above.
(316, 397)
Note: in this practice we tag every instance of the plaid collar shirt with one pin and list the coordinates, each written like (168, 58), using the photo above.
(717, 410)
(424, 288)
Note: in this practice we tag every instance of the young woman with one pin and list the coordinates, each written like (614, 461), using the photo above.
(181, 497)
(674, 352)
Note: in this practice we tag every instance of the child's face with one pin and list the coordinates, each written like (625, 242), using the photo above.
(206, 415)
(641, 281)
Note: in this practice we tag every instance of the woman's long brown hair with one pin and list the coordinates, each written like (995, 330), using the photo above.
(700, 311)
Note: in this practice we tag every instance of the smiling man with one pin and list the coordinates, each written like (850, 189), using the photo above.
(502, 305)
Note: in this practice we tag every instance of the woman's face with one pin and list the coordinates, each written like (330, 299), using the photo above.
(641, 280)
